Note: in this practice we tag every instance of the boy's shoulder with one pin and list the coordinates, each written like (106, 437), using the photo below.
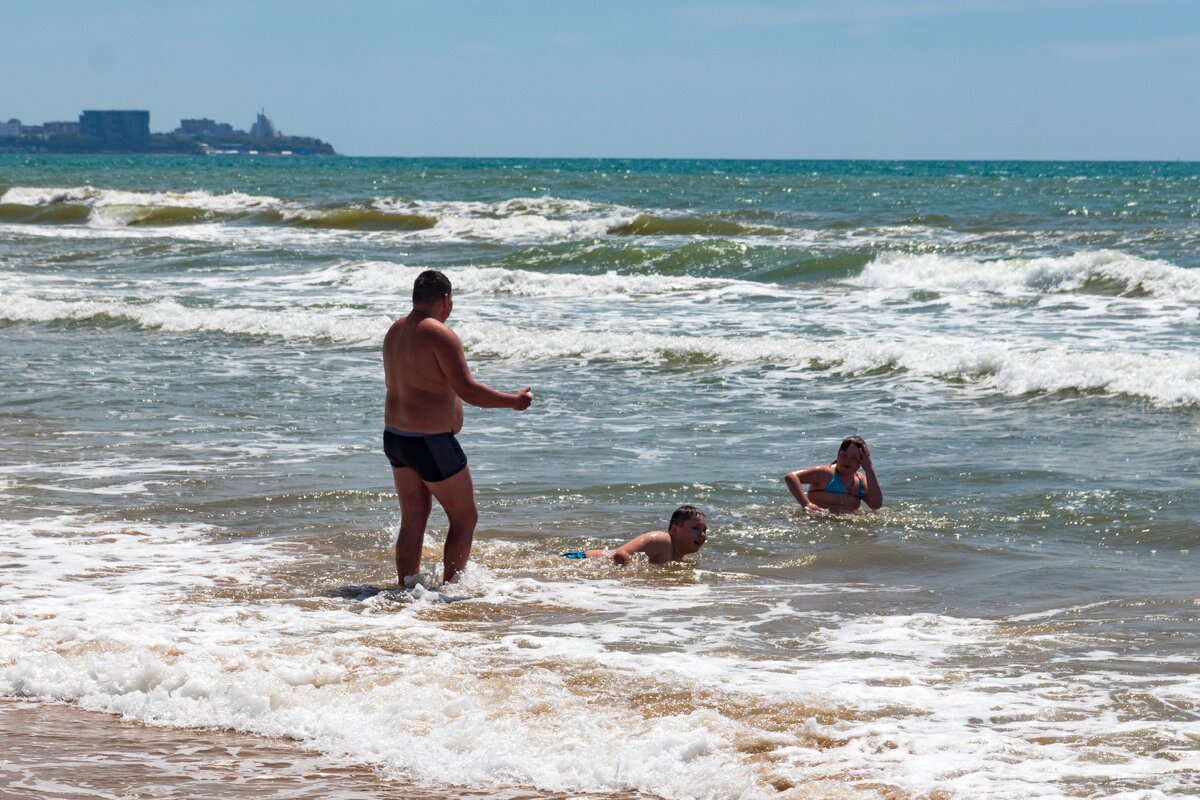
(657, 546)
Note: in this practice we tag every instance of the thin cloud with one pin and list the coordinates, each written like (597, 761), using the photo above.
(1128, 49)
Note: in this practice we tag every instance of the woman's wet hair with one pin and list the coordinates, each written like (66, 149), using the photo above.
(852, 440)
(429, 287)
(849, 440)
(685, 513)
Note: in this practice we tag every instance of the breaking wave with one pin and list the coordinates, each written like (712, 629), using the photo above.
(536, 218)
(1164, 379)
(1101, 272)
(647, 225)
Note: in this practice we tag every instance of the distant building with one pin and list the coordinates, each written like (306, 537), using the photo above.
(10, 128)
(203, 128)
(195, 127)
(116, 128)
(61, 128)
(33, 130)
(263, 127)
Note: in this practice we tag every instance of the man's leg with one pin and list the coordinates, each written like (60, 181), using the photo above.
(415, 505)
(457, 498)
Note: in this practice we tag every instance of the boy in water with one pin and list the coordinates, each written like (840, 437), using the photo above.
(838, 487)
(686, 533)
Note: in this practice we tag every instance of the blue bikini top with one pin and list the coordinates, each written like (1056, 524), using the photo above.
(835, 485)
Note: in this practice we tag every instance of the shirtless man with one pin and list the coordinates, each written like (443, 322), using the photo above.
(838, 487)
(427, 381)
(686, 534)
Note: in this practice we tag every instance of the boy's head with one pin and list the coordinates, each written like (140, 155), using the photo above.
(688, 529)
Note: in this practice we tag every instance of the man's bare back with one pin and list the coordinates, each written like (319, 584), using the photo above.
(419, 395)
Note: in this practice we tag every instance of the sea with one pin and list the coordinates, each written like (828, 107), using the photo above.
(197, 591)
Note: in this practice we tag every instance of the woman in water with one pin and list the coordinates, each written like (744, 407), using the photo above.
(838, 487)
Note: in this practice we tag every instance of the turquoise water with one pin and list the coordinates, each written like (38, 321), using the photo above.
(189, 441)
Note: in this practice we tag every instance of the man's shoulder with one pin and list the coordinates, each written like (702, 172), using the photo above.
(426, 328)
(431, 328)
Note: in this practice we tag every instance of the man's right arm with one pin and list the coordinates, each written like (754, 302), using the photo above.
(453, 363)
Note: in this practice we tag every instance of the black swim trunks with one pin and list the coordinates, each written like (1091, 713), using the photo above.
(434, 456)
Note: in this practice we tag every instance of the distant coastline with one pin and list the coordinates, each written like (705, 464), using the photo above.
(171, 144)
(128, 131)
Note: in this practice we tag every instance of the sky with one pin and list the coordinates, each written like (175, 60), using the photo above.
(805, 79)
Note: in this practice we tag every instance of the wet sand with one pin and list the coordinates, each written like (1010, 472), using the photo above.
(51, 751)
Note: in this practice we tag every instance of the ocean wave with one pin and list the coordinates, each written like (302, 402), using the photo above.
(116, 216)
(378, 276)
(62, 214)
(705, 258)
(93, 197)
(511, 219)
(551, 208)
(521, 219)
(323, 324)
(1105, 272)
(1163, 378)
(48, 196)
(651, 225)
(356, 219)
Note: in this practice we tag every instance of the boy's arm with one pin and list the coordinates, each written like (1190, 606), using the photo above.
(649, 543)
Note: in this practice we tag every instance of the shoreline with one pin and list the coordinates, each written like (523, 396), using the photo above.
(54, 750)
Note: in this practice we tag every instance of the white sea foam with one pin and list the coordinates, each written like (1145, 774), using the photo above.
(540, 207)
(39, 196)
(1167, 379)
(393, 279)
(138, 639)
(1033, 275)
(168, 315)
(1164, 377)
(516, 220)
(229, 202)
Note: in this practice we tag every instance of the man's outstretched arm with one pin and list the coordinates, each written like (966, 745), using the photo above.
(453, 362)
